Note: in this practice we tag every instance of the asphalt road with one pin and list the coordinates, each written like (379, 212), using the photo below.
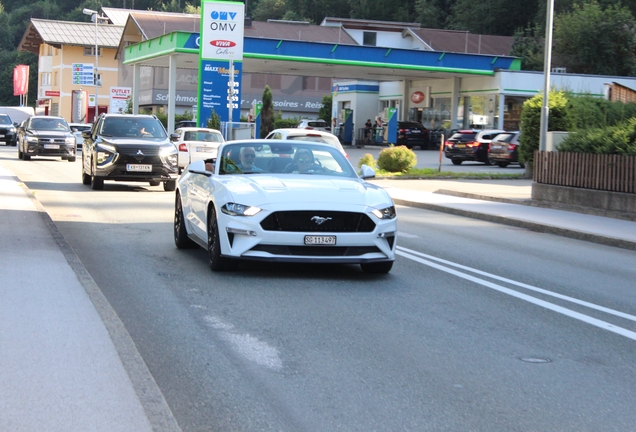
(478, 326)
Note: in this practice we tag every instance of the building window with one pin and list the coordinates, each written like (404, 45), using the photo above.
(259, 81)
(55, 79)
(90, 51)
(309, 83)
(324, 84)
(46, 78)
(369, 38)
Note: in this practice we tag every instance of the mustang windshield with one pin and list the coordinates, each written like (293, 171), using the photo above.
(294, 157)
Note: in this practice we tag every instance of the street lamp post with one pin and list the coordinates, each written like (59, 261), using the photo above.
(95, 15)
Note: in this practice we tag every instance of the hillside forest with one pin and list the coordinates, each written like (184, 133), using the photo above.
(590, 36)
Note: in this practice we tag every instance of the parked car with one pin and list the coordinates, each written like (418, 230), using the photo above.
(413, 134)
(314, 125)
(77, 129)
(504, 149)
(470, 145)
(185, 123)
(196, 144)
(306, 135)
(132, 148)
(47, 136)
(7, 130)
(336, 217)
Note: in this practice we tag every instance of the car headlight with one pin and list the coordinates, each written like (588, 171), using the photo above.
(32, 139)
(235, 209)
(104, 152)
(70, 140)
(169, 155)
(385, 213)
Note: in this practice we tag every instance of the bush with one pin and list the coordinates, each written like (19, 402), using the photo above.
(619, 139)
(369, 160)
(397, 159)
(589, 112)
(531, 122)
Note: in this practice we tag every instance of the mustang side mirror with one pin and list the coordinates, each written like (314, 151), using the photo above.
(366, 172)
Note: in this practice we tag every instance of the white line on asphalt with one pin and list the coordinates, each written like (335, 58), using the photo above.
(522, 285)
(547, 305)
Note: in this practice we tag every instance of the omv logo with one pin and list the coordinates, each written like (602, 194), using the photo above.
(223, 16)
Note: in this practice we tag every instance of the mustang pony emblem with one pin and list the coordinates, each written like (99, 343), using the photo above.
(320, 220)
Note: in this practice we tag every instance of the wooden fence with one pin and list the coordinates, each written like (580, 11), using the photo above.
(616, 173)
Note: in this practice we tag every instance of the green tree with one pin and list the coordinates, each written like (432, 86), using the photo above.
(433, 13)
(495, 17)
(529, 46)
(267, 113)
(269, 9)
(325, 111)
(558, 120)
(593, 40)
(214, 122)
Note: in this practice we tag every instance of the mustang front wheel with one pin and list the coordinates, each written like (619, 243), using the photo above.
(181, 239)
(215, 260)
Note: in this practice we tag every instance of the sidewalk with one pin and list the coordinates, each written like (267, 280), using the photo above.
(66, 361)
(508, 202)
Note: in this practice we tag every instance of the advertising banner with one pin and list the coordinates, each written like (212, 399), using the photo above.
(20, 80)
(119, 99)
(79, 106)
(220, 43)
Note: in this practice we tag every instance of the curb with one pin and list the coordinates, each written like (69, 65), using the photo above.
(532, 226)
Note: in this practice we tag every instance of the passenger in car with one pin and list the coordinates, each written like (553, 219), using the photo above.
(247, 156)
(303, 161)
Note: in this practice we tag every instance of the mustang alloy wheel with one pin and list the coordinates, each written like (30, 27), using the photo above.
(215, 260)
(181, 239)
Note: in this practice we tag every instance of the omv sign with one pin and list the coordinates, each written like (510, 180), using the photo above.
(223, 16)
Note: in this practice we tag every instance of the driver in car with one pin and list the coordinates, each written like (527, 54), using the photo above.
(247, 157)
(303, 162)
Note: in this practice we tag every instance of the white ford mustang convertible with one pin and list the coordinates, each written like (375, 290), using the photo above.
(284, 201)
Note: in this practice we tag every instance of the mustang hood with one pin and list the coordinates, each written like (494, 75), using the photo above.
(261, 190)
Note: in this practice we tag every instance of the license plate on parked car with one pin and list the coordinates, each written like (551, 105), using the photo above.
(51, 146)
(320, 240)
(138, 168)
(205, 149)
(495, 147)
(460, 145)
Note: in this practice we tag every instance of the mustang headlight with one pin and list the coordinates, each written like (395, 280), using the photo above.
(169, 155)
(385, 213)
(235, 209)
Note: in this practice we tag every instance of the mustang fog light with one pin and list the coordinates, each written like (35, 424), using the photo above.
(241, 231)
(385, 213)
(235, 209)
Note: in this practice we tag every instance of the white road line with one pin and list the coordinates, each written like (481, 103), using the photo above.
(547, 305)
(522, 285)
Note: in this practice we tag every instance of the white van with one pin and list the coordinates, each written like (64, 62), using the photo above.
(17, 114)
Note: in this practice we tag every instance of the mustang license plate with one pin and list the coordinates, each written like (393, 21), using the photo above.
(320, 240)
(51, 146)
(139, 168)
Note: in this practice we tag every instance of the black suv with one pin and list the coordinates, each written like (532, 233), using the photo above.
(132, 148)
(412, 134)
(7, 130)
(47, 136)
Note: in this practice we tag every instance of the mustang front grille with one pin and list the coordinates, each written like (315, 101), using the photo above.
(318, 221)
(345, 251)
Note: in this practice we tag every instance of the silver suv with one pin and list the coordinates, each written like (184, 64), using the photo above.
(124, 147)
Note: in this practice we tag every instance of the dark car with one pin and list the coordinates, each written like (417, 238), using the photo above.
(412, 134)
(7, 130)
(470, 145)
(131, 148)
(504, 149)
(47, 136)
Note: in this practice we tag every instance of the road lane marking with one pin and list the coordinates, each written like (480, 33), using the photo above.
(522, 285)
(547, 305)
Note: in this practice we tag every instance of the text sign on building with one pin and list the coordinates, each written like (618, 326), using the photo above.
(220, 42)
(119, 99)
(83, 74)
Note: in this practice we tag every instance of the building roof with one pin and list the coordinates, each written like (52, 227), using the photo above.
(58, 33)
(464, 42)
(117, 16)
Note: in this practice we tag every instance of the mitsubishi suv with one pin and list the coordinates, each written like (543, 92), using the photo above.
(130, 148)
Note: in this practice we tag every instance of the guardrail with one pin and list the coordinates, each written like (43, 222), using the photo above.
(615, 173)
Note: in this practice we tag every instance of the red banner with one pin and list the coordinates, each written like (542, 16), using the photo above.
(20, 80)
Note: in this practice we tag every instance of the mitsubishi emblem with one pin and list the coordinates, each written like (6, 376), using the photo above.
(139, 152)
(320, 220)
